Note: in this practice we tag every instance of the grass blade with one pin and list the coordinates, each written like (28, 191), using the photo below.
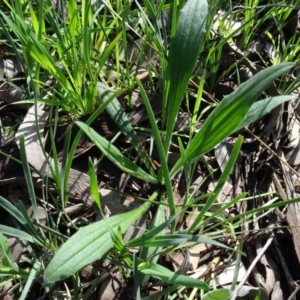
(170, 277)
(28, 176)
(11, 209)
(30, 279)
(16, 233)
(119, 116)
(115, 155)
(232, 159)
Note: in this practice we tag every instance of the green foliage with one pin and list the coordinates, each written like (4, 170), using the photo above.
(78, 44)
(234, 108)
(87, 40)
(88, 244)
(184, 50)
(230, 113)
(220, 294)
(169, 277)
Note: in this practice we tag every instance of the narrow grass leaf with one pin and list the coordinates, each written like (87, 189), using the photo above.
(28, 176)
(88, 245)
(177, 239)
(6, 258)
(115, 155)
(16, 233)
(119, 116)
(94, 186)
(223, 178)
(167, 276)
(7, 271)
(150, 254)
(230, 113)
(261, 108)
(161, 153)
(235, 278)
(63, 178)
(184, 50)
(11, 209)
(265, 208)
(225, 206)
(139, 241)
(30, 280)
(136, 279)
(75, 142)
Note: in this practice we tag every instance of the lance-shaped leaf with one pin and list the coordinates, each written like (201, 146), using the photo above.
(115, 155)
(88, 244)
(230, 113)
(184, 50)
(261, 108)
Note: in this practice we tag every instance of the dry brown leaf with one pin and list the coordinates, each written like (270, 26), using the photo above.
(16, 247)
(195, 255)
(109, 289)
(225, 195)
(180, 260)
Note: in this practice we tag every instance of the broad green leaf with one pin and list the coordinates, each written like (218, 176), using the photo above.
(115, 155)
(170, 277)
(261, 108)
(230, 113)
(88, 244)
(220, 294)
(184, 50)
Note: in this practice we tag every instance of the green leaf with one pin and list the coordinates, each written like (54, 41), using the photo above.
(6, 260)
(170, 277)
(140, 240)
(11, 209)
(261, 108)
(115, 155)
(175, 240)
(88, 244)
(151, 254)
(31, 279)
(28, 176)
(16, 233)
(230, 113)
(184, 50)
(222, 180)
(220, 294)
(119, 116)
(165, 174)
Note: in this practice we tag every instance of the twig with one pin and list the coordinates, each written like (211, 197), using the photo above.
(255, 261)
(294, 293)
